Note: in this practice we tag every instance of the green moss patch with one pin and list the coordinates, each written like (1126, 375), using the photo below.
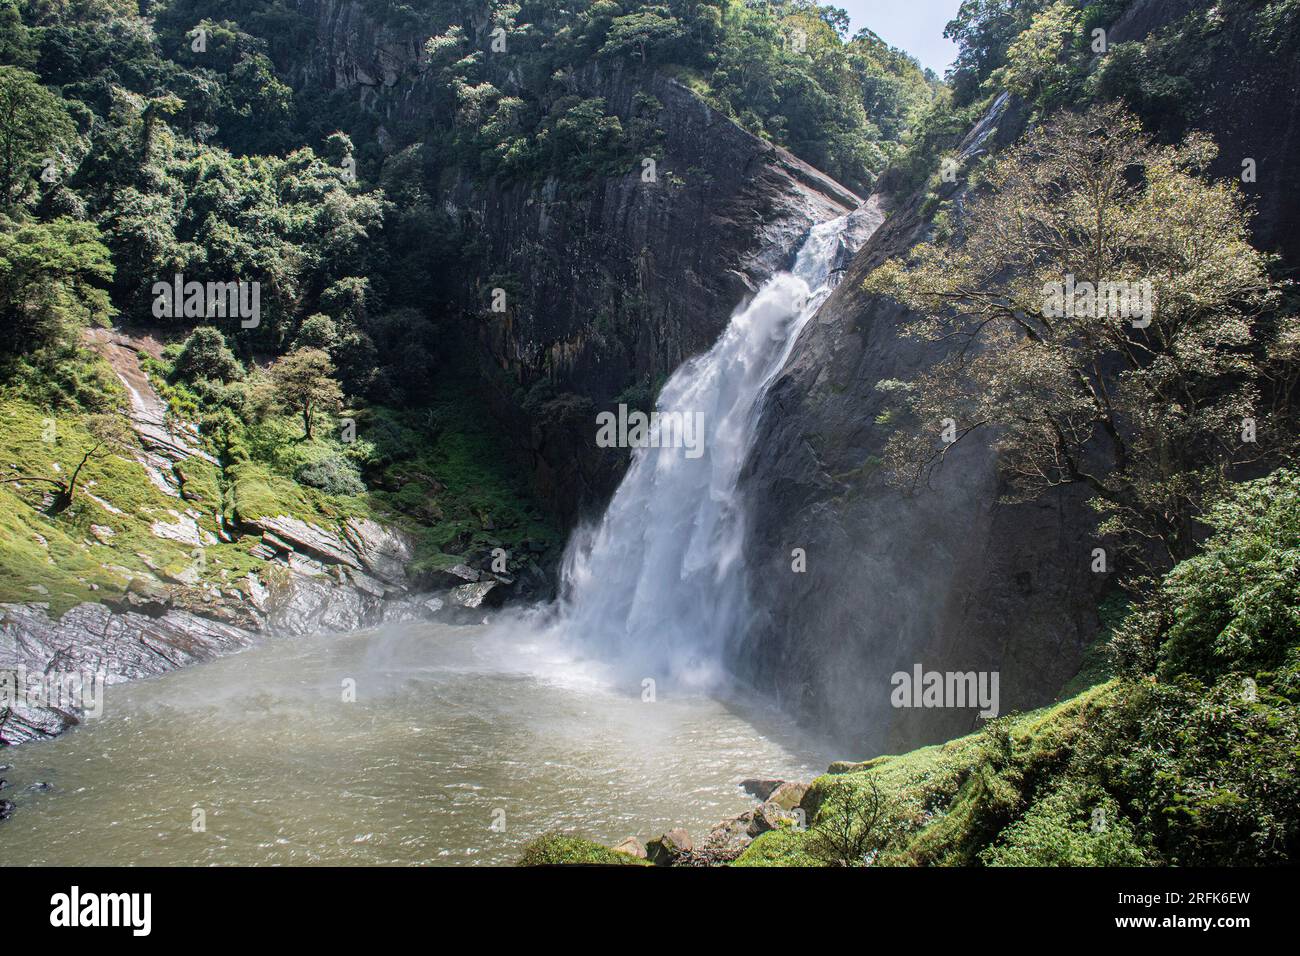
(557, 849)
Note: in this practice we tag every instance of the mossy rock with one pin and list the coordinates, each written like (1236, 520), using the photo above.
(557, 849)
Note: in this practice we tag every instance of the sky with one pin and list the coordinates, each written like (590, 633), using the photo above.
(912, 25)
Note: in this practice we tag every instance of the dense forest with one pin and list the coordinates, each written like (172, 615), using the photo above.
(144, 141)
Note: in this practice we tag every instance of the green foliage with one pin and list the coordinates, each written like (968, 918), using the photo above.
(1212, 771)
(93, 548)
(1035, 68)
(333, 475)
(1235, 607)
(50, 284)
(34, 127)
(1064, 207)
(782, 70)
(205, 355)
(556, 849)
(1190, 758)
(303, 382)
(1074, 825)
(849, 829)
(644, 33)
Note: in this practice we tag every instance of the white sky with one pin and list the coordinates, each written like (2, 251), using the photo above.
(912, 25)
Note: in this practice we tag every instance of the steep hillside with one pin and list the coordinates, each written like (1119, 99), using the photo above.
(953, 575)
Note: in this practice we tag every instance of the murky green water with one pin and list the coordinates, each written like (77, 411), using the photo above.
(462, 744)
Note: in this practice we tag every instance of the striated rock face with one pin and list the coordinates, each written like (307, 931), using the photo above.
(155, 629)
(616, 281)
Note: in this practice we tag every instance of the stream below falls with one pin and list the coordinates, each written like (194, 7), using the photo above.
(463, 743)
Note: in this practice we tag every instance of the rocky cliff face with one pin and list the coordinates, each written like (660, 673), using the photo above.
(312, 579)
(949, 578)
(1247, 99)
(614, 282)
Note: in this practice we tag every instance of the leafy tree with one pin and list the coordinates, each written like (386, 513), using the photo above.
(34, 125)
(109, 433)
(317, 332)
(302, 383)
(982, 30)
(50, 275)
(648, 31)
(16, 42)
(1035, 68)
(1138, 389)
(205, 355)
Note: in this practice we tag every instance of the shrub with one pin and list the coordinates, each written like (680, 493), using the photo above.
(205, 355)
(1076, 825)
(333, 475)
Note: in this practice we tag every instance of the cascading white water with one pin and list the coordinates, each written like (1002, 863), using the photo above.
(658, 585)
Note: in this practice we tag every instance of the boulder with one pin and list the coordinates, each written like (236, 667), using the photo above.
(669, 848)
(632, 847)
(306, 538)
(728, 839)
(788, 795)
(453, 577)
(760, 788)
(474, 596)
(146, 597)
(767, 817)
(383, 551)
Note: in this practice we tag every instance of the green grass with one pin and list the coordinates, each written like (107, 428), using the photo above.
(949, 801)
(442, 473)
(80, 559)
(447, 468)
(557, 849)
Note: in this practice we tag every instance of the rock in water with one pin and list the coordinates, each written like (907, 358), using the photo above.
(632, 847)
(760, 788)
(788, 795)
(669, 848)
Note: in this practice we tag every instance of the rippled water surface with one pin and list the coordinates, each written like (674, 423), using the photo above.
(452, 729)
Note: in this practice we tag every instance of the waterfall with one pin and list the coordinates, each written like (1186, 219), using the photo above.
(656, 588)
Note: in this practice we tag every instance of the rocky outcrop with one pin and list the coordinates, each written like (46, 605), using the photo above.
(164, 442)
(782, 806)
(313, 579)
(622, 280)
(155, 628)
(614, 281)
(947, 577)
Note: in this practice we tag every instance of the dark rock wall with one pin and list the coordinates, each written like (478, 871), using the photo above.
(946, 577)
(949, 578)
(615, 281)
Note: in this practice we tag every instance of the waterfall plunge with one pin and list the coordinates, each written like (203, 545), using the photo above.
(657, 587)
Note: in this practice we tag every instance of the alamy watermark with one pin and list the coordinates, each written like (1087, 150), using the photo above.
(200, 300)
(636, 429)
(1134, 301)
(75, 691)
(957, 689)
